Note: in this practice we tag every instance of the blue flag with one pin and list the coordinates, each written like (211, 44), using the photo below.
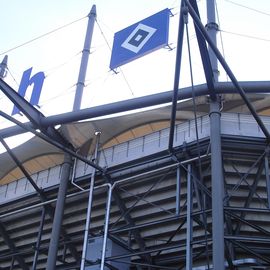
(140, 38)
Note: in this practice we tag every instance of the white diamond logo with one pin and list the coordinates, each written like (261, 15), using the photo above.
(138, 38)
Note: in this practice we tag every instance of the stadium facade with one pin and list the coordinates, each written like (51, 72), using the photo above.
(164, 188)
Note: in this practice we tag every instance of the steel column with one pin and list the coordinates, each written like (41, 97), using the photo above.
(217, 180)
(189, 220)
(217, 188)
(58, 215)
(178, 191)
(85, 55)
(39, 239)
(226, 67)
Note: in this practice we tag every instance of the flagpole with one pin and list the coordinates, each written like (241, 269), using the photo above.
(84, 61)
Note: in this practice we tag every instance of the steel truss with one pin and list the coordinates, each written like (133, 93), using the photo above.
(160, 212)
(171, 235)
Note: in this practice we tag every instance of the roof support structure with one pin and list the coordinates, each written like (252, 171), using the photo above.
(42, 196)
(207, 65)
(226, 67)
(58, 214)
(138, 103)
(51, 141)
(12, 247)
(31, 112)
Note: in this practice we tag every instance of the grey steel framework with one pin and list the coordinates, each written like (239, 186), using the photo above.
(203, 204)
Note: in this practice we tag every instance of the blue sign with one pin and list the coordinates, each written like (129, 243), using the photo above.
(140, 38)
(26, 81)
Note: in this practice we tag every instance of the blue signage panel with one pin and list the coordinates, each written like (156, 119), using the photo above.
(140, 38)
(26, 81)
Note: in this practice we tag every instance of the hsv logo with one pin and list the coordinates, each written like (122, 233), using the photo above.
(140, 39)
(139, 36)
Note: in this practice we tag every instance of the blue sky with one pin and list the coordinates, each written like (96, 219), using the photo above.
(58, 54)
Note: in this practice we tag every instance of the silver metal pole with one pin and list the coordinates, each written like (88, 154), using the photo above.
(106, 226)
(189, 221)
(85, 56)
(216, 158)
(89, 207)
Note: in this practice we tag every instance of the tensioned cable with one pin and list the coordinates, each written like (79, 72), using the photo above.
(110, 48)
(10, 73)
(244, 35)
(197, 134)
(42, 36)
(221, 38)
(249, 8)
(53, 69)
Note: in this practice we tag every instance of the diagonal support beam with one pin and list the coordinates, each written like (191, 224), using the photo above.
(28, 110)
(42, 196)
(51, 141)
(31, 112)
(130, 221)
(251, 193)
(207, 66)
(21, 167)
(244, 247)
(176, 76)
(13, 248)
(226, 67)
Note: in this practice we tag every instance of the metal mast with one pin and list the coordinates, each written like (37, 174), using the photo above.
(85, 56)
(216, 159)
(3, 67)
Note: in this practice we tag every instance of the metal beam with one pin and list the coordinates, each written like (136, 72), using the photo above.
(130, 221)
(226, 67)
(251, 193)
(244, 247)
(41, 194)
(85, 56)
(189, 220)
(37, 246)
(13, 248)
(139, 103)
(28, 110)
(31, 112)
(59, 212)
(21, 167)
(207, 65)
(51, 141)
(176, 75)
(252, 225)
(267, 176)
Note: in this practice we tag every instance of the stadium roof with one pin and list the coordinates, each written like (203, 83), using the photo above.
(37, 154)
